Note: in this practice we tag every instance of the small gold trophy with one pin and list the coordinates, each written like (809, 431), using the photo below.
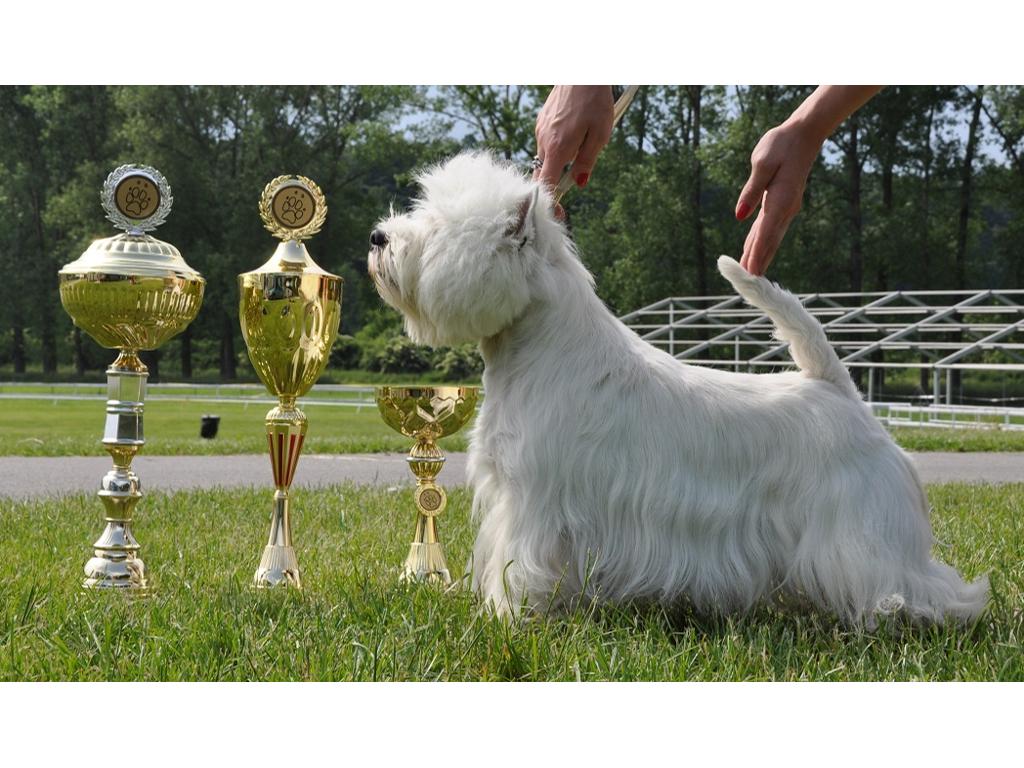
(289, 310)
(130, 292)
(427, 414)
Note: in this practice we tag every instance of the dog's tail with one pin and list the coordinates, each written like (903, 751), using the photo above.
(807, 343)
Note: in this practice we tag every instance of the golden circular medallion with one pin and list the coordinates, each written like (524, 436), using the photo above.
(293, 207)
(430, 500)
(136, 197)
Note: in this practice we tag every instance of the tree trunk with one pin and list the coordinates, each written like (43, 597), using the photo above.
(77, 352)
(641, 130)
(892, 131)
(926, 374)
(889, 160)
(151, 359)
(926, 194)
(966, 178)
(699, 249)
(48, 340)
(186, 353)
(856, 266)
(966, 174)
(856, 259)
(18, 348)
(47, 327)
(227, 348)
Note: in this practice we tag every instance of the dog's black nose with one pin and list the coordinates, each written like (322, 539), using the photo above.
(378, 239)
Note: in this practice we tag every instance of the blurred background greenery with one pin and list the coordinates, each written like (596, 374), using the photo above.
(922, 189)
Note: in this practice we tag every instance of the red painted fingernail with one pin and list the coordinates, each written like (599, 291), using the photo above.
(582, 179)
(742, 210)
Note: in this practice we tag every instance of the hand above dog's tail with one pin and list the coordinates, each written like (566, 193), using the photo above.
(793, 323)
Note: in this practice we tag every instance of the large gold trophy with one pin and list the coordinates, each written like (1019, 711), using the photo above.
(129, 292)
(289, 310)
(426, 414)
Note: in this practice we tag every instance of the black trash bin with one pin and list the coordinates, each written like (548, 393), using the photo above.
(208, 426)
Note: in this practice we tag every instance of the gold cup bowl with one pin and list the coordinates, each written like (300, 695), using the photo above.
(125, 304)
(426, 414)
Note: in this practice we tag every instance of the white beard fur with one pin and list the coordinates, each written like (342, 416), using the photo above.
(604, 469)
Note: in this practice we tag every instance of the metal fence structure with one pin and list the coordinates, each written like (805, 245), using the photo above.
(946, 336)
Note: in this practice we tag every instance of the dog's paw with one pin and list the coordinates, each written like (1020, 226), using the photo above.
(890, 605)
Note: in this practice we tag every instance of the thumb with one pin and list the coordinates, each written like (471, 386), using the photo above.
(753, 190)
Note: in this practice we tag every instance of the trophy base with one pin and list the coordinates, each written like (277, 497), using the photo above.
(116, 572)
(426, 563)
(278, 568)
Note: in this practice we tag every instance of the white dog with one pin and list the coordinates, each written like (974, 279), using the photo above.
(603, 468)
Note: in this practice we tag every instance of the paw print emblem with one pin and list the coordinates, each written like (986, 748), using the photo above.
(136, 202)
(293, 209)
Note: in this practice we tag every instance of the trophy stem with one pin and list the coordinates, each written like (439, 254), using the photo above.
(286, 431)
(115, 563)
(426, 560)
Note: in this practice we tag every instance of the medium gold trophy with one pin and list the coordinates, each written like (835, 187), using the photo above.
(427, 414)
(129, 292)
(289, 310)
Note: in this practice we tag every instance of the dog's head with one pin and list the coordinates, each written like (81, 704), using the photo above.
(460, 265)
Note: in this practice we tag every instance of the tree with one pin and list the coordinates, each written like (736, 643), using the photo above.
(904, 196)
(219, 147)
(499, 117)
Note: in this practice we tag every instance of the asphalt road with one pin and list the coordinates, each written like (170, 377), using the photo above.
(25, 477)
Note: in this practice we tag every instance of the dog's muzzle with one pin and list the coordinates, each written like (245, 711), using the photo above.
(378, 242)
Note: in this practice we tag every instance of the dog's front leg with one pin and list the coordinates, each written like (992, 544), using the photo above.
(495, 575)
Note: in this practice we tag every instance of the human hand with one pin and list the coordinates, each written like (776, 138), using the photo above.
(780, 165)
(574, 126)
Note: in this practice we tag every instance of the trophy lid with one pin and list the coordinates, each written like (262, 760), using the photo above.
(137, 199)
(132, 291)
(293, 209)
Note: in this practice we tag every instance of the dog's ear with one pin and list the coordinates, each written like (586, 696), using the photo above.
(522, 227)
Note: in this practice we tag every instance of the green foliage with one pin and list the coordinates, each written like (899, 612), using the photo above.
(354, 619)
(458, 364)
(400, 354)
(658, 210)
(346, 352)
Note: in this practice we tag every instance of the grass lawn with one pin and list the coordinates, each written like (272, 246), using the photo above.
(75, 427)
(962, 440)
(53, 427)
(355, 621)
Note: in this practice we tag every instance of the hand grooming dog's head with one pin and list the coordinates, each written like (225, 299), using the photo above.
(459, 265)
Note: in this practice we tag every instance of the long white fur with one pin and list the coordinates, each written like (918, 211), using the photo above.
(605, 469)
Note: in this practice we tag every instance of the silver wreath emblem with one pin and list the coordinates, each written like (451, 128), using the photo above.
(136, 225)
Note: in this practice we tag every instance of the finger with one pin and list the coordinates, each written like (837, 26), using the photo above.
(748, 241)
(753, 191)
(555, 159)
(586, 158)
(767, 241)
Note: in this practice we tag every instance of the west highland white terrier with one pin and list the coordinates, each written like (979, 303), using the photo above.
(605, 469)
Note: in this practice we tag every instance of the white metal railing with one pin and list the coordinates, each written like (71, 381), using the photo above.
(940, 332)
(350, 395)
(949, 416)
